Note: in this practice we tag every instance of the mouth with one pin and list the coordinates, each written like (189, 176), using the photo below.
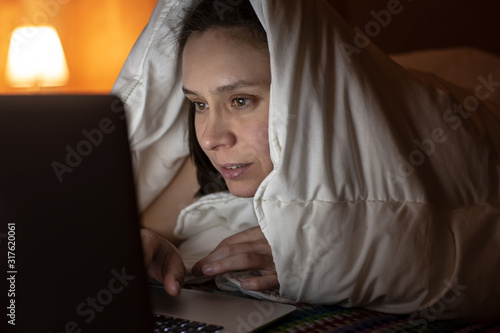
(234, 171)
(234, 167)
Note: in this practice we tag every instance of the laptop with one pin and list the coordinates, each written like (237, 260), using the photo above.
(69, 228)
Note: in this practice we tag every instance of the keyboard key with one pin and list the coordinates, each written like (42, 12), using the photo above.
(212, 328)
(194, 324)
(161, 317)
(163, 323)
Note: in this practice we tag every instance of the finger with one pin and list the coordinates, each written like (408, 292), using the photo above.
(265, 282)
(151, 248)
(163, 262)
(149, 245)
(229, 251)
(246, 236)
(239, 262)
(173, 275)
(234, 245)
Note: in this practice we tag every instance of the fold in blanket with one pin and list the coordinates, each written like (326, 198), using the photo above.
(385, 188)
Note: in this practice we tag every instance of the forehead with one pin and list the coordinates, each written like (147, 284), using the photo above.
(213, 55)
(241, 36)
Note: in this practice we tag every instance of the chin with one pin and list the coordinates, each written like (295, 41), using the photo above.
(242, 191)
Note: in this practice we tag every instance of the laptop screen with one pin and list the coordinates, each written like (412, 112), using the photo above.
(69, 220)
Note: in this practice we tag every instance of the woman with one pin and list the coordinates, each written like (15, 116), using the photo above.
(367, 191)
(229, 90)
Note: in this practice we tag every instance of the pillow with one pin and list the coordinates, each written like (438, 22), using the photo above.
(463, 66)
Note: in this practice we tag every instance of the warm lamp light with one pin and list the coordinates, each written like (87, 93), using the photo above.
(36, 58)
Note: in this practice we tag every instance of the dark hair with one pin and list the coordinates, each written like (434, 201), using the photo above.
(237, 19)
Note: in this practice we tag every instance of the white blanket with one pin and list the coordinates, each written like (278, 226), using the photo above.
(385, 188)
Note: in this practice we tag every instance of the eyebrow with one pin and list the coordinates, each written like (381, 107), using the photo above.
(226, 88)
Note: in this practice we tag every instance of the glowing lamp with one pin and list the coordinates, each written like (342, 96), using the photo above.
(36, 58)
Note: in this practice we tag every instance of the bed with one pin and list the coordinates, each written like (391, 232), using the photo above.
(453, 39)
(332, 318)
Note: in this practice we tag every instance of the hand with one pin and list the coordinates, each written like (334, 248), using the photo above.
(247, 250)
(163, 261)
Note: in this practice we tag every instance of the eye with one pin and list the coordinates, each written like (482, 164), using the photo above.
(199, 106)
(241, 102)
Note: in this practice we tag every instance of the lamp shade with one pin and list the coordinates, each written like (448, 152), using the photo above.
(36, 58)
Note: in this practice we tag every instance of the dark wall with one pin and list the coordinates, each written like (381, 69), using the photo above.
(425, 24)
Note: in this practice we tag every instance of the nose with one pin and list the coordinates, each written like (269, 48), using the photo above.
(215, 131)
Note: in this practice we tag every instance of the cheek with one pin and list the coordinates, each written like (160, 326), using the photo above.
(198, 128)
(261, 143)
(261, 137)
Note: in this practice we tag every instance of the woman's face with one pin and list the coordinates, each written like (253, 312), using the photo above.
(228, 80)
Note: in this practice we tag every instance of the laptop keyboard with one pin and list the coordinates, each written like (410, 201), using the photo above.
(163, 323)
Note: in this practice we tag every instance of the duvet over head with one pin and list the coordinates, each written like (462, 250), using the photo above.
(385, 187)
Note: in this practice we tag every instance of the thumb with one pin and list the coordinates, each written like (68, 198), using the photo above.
(163, 261)
(173, 274)
(150, 245)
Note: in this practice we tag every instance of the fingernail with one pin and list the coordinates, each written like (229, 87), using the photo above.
(208, 269)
